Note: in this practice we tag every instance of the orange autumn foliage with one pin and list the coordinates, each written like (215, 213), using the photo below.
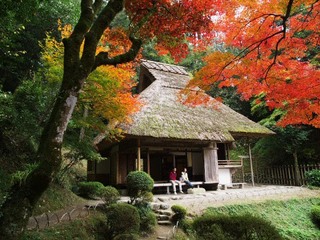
(277, 53)
(108, 90)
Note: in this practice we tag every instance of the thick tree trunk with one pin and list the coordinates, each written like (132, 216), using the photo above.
(23, 196)
(18, 206)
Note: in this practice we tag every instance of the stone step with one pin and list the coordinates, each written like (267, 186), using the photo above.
(162, 237)
(165, 222)
(164, 212)
(163, 217)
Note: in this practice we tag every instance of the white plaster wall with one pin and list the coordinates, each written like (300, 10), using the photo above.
(225, 176)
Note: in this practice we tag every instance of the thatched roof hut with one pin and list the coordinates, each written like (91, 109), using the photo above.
(164, 133)
(164, 116)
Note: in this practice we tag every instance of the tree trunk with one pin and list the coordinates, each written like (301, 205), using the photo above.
(22, 197)
(296, 169)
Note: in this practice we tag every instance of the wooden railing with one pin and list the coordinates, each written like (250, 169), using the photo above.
(230, 163)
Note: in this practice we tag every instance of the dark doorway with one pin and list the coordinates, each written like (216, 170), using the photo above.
(160, 166)
(181, 163)
(222, 151)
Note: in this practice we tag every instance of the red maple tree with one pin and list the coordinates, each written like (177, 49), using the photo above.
(274, 53)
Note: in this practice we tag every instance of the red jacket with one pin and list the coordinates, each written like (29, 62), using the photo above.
(173, 175)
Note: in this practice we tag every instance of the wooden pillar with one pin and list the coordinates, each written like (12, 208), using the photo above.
(210, 155)
(148, 161)
(251, 165)
(139, 156)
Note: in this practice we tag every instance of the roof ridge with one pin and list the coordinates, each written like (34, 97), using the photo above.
(166, 67)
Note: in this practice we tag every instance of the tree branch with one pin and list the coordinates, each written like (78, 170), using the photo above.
(98, 27)
(103, 59)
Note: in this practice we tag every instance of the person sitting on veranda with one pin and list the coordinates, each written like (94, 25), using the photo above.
(185, 178)
(173, 180)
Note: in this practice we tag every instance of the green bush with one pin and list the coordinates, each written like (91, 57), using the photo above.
(179, 213)
(313, 178)
(89, 189)
(242, 227)
(315, 215)
(148, 219)
(109, 195)
(186, 225)
(139, 184)
(122, 218)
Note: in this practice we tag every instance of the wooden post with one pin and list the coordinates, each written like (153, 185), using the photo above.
(210, 155)
(148, 161)
(251, 166)
(139, 155)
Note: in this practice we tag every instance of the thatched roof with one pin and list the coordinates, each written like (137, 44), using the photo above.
(164, 116)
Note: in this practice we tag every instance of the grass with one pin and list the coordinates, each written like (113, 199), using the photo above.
(290, 217)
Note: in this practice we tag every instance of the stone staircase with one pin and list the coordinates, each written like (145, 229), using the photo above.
(164, 217)
(163, 213)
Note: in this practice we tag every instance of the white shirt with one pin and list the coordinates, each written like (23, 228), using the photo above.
(184, 176)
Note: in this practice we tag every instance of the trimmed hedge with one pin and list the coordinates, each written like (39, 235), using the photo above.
(139, 185)
(122, 218)
(89, 189)
(225, 227)
(109, 195)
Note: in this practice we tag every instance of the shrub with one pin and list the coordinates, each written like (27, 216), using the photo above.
(225, 227)
(315, 215)
(313, 178)
(89, 189)
(139, 183)
(109, 195)
(179, 213)
(186, 225)
(148, 219)
(122, 218)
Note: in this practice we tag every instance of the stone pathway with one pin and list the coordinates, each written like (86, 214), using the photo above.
(196, 203)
